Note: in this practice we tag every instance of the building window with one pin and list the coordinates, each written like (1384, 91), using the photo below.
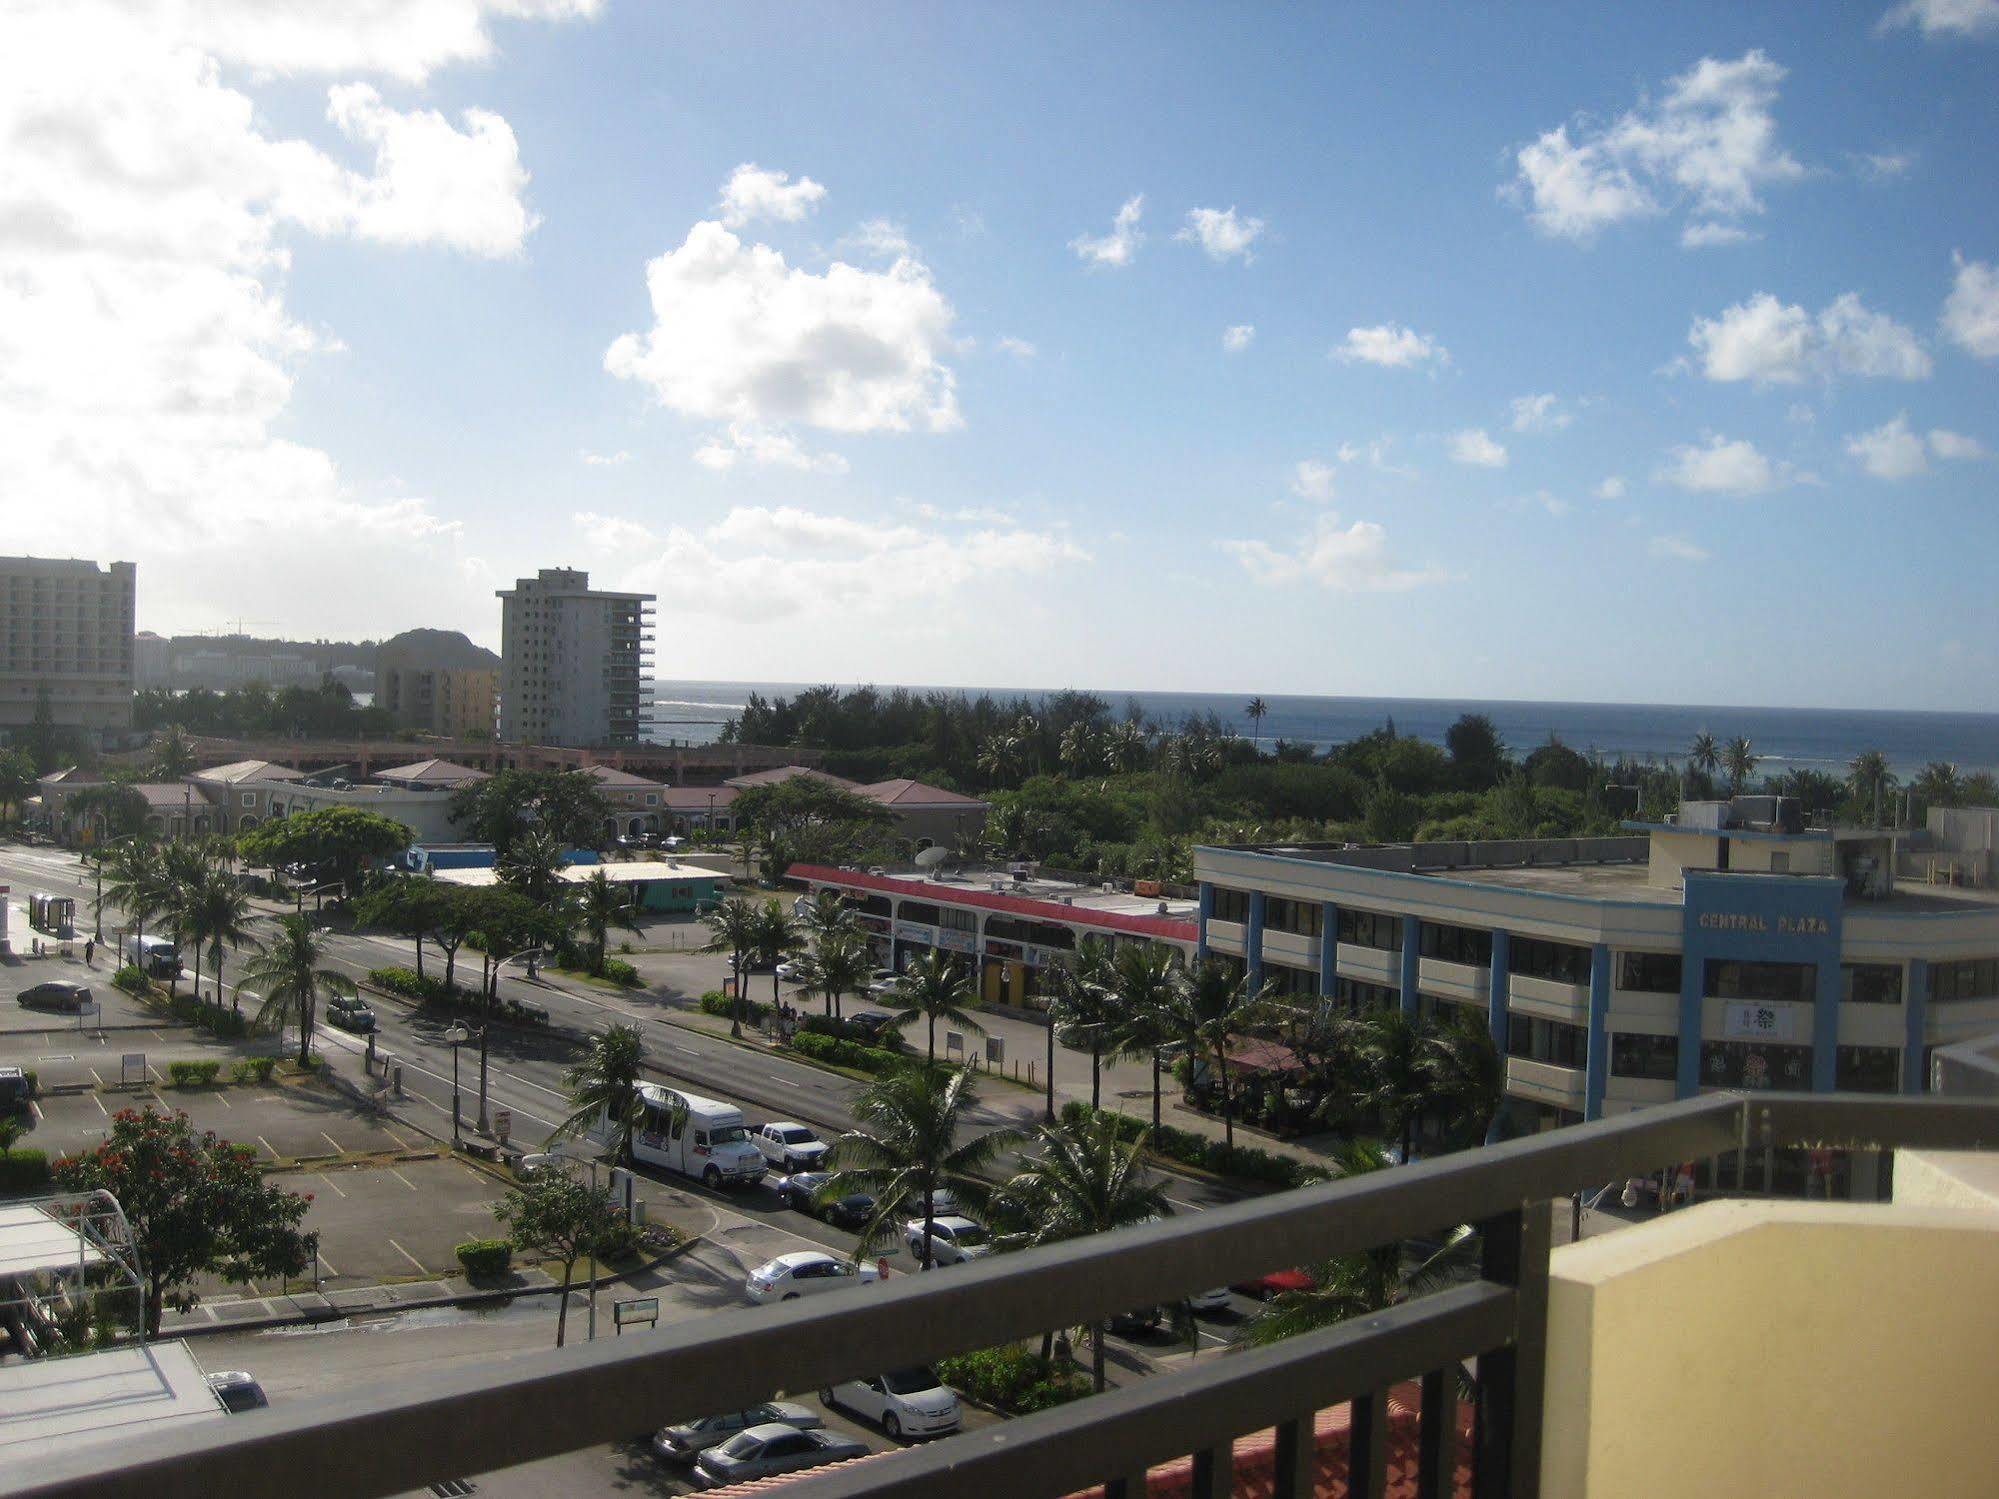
(1294, 983)
(1867, 1069)
(1299, 917)
(1357, 995)
(1553, 1041)
(1649, 972)
(958, 921)
(1870, 983)
(1968, 978)
(1560, 962)
(1787, 983)
(1375, 929)
(1633, 1055)
(1457, 944)
(1231, 905)
(1755, 1064)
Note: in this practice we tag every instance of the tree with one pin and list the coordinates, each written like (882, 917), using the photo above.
(565, 804)
(1081, 751)
(1256, 712)
(1740, 763)
(1705, 754)
(337, 841)
(1939, 785)
(410, 906)
(777, 938)
(935, 986)
(556, 1217)
(533, 865)
(1083, 1180)
(109, 811)
(810, 821)
(197, 1205)
(1207, 1009)
(135, 881)
(1126, 747)
(1478, 754)
(1395, 1085)
(735, 927)
(601, 905)
(1142, 979)
(173, 755)
(905, 1145)
(1867, 773)
(291, 976)
(1465, 1072)
(1000, 757)
(1083, 1009)
(840, 964)
(216, 911)
(17, 779)
(827, 912)
(509, 924)
(42, 744)
(1555, 764)
(604, 1085)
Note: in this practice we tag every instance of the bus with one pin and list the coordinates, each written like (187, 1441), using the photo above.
(155, 957)
(698, 1137)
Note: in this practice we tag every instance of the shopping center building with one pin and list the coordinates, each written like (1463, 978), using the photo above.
(1728, 948)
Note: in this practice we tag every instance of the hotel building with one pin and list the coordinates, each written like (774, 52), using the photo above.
(571, 661)
(66, 626)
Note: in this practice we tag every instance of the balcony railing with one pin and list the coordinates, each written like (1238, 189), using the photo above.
(404, 1434)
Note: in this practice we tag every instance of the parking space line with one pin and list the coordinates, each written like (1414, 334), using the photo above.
(333, 1142)
(331, 1183)
(224, 1101)
(327, 1265)
(157, 1036)
(100, 1106)
(393, 1136)
(35, 1111)
(268, 1146)
(95, 1078)
(408, 1256)
(401, 1178)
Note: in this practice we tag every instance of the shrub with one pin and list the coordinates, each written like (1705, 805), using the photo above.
(23, 1169)
(34, 1081)
(262, 1067)
(715, 1002)
(192, 1074)
(618, 971)
(408, 983)
(844, 1053)
(1014, 1378)
(887, 1039)
(621, 1241)
(131, 980)
(1190, 1149)
(485, 1259)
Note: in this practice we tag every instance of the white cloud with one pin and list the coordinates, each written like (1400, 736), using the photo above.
(1474, 446)
(881, 237)
(1238, 337)
(760, 563)
(752, 193)
(1721, 466)
(1676, 549)
(1220, 233)
(1778, 343)
(1971, 312)
(1710, 142)
(1884, 166)
(1312, 480)
(1800, 414)
(1939, 18)
(739, 336)
(1392, 346)
(604, 460)
(612, 533)
(1708, 235)
(747, 442)
(1353, 559)
(1119, 246)
(1540, 413)
(1956, 446)
(1612, 488)
(1020, 348)
(1890, 451)
(1375, 452)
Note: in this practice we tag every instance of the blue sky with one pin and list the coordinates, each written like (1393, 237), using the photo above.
(1597, 353)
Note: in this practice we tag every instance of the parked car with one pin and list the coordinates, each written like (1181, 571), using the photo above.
(792, 970)
(1217, 1300)
(56, 994)
(1275, 1283)
(953, 1239)
(789, 1146)
(688, 1440)
(13, 1089)
(350, 1014)
(766, 1451)
(907, 1403)
(238, 1391)
(805, 1272)
(800, 1190)
(883, 981)
(877, 1023)
(1139, 1319)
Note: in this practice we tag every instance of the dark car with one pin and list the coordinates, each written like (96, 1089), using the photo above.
(350, 1014)
(238, 1391)
(800, 1191)
(56, 994)
(766, 1451)
(875, 1022)
(13, 1089)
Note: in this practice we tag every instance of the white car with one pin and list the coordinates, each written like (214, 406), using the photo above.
(953, 1239)
(907, 1403)
(792, 970)
(884, 981)
(1218, 1300)
(688, 1440)
(790, 1147)
(805, 1272)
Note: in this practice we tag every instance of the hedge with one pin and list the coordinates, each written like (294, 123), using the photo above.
(1190, 1149)
(406, 983)
(485, 1259)
(846, 1030)
(253, 1070)
(1014, 1378)
(131, 980)
(618, 971)
(715, 1002)
(23, 1169)
(192, 1074)
(845, 1053)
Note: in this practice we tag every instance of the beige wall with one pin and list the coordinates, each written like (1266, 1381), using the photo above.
(1775, 1349)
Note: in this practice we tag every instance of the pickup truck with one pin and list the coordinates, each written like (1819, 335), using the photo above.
(790, 1147)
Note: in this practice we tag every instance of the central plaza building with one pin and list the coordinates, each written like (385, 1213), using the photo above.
(1728, 948)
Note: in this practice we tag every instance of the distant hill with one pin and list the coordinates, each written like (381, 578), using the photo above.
(450, 649)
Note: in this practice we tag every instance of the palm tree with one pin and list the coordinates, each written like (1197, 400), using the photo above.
(1705, 756)
(1741, 763)
(905, 1145)
(840, 964)
(173, 755)
(934, 985)
(1867, 774)
(1082, 1009)
(1000, 758)
(132, 882)
(735, 926)
(826, 913)
(1939, 785)
(218, 911)
(1465, 1072)
(1081, 750)
(776, 938)
(1142, 979)
(292, 981)
(1084, 1181)
(600, 905)
(1393, 1080)
(1256, 712)
(1126, 747)
(533, 865)
(604, 1085)
(1207, 1008)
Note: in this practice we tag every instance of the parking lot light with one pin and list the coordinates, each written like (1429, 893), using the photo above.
(457, 1035)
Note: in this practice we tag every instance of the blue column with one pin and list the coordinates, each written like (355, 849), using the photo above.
(1596, 1070)
(1412, 954)
(1915, 1026)
(1689, 1081)
(1499, 986)
(1252, 939)
(1825, 1028)
(1201, 924)
(1329, 948)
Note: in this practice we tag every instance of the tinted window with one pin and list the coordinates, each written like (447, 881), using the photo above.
(1968, 978)
(1794, 983)
(1867, 1069)
(1561, 962)
(1536, 1040)
(1755, 1064)
(1649, 972)
(1299, 917)
(1645, 1056)
(1231, 905)
(744, 1445)
(909, 1381)
(1375, 929)
(1870, 983)
(1457, 944)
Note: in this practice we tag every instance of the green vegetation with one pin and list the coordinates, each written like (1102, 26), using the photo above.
(253, 1070)
(192, 1074)
(557, 1217)
(485, 1259)
(340, 842)
(1191, 1149)
(720, 1005)
(506, 807)
(323, 712)
(23, 1169)
(838, 1052)
(293, 979)
(1013, 1378)
(806, 820)
(131, 980)
(604, 1084)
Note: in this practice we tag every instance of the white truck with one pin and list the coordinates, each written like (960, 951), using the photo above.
(790, 1147)
(155, 957)
(699, 1137)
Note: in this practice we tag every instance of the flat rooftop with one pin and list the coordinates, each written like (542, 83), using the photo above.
(931, 885)
(51, 1405)
(637, 872)
(31, 1239)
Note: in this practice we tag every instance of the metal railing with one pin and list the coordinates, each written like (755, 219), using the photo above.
(402, 1434)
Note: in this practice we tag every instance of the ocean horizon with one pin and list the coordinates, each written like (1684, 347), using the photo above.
(1822, 739)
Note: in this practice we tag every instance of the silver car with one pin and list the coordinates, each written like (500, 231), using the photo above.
(688, 1440)
(766, 1451)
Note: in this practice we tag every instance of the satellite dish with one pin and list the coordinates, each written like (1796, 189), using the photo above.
(933, 856)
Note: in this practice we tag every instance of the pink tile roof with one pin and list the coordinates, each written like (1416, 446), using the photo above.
(785, 773)
(697, 798)
(904, 792)
(610, 775)
(432, 772)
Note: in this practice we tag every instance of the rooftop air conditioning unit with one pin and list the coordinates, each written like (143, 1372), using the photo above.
(1162, 908)
(999, 884)
(1110, 887)
(1068, 900)
(878, 869)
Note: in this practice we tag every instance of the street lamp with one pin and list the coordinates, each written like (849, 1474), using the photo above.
(457, 1035)
(592, 1162)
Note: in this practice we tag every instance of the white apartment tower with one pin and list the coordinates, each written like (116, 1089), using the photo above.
(66, 625)
(571, 660)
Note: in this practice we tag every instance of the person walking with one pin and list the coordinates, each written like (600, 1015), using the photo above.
(90, 952)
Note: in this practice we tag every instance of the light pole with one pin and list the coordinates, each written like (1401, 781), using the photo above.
(591, 1162)
(526, 952)
(457, 1035)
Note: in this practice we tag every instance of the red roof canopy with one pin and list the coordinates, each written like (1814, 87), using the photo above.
(1169, 928)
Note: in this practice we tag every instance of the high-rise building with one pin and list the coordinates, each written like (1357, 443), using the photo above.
(66, 625)
(572, 658)
(438, 682)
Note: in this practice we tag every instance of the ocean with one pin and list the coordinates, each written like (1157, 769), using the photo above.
(1822, 739)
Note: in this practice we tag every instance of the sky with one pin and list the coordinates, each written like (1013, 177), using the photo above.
(1573, 352)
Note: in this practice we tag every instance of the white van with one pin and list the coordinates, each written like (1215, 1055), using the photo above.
(699, 1137)
(153, 956)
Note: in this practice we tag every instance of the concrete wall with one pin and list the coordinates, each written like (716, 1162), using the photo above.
(1761, 1349)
